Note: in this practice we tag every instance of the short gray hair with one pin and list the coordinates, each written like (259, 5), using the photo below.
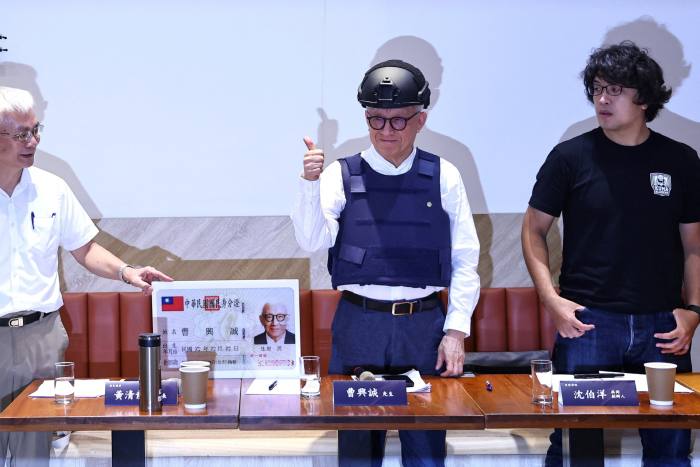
(15, 100)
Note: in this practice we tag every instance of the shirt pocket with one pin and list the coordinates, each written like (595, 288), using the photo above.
(44, 234)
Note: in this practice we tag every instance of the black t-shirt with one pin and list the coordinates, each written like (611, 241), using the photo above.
(622, 206)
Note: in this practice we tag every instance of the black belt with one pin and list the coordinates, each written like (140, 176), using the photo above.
(398, 308)
(19, 321)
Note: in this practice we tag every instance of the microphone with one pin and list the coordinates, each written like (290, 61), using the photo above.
(362, 374)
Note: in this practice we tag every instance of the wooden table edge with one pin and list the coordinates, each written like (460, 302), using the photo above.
(140, 422)
(351, 422)
(102, 425)
(604, 421)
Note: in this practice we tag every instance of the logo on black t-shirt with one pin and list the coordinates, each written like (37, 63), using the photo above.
(661, 183)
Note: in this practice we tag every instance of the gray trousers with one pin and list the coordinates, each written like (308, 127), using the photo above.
(28, 353)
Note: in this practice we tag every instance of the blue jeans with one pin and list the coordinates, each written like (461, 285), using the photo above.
(382, 343)
(623, 342)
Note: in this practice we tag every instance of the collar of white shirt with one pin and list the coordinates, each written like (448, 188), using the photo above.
(24, 181)
(383, 166)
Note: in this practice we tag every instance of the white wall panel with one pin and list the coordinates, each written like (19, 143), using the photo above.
(181, 108)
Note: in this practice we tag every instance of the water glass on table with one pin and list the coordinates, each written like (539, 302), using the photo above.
(64, 382)
(310, 378)
(541, 372)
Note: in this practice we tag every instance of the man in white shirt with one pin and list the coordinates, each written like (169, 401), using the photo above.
(399, 228)
(38, 213)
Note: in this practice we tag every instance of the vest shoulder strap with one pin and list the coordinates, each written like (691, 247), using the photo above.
(428, 164)
(351, 168)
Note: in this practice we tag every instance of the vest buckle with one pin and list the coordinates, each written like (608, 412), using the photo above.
(396, 309)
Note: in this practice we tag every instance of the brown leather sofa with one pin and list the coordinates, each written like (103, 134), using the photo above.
(104, 326)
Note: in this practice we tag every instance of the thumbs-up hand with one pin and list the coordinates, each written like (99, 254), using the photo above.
(313, 160)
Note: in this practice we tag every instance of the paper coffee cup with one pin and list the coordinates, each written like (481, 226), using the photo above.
(194, 386)
(661, 378)
(195, 363)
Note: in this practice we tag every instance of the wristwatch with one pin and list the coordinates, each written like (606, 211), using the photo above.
(695, 308)
(124, 279)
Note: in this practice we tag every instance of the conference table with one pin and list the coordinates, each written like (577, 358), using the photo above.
(508, 405)
(464, 404)
(126, 423)
(453, 404)
(447, 406)
(467, 404)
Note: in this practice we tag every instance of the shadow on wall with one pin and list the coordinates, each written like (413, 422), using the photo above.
(25, 77)
(422, 54)
(667, 50)
(21, 76)
(18, 75)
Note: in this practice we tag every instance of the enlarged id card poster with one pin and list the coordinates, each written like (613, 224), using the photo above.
(248, 328)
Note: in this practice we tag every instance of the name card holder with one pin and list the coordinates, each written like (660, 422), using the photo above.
(605, 392)
(369, 393)
(127, 393)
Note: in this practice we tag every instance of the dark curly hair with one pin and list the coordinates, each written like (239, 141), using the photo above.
(628, 65)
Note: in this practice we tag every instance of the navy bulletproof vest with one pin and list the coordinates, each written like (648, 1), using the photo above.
(393, 230)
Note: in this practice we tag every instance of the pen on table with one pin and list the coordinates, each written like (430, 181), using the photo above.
(598, 375)
(32, 217)
(489, 386)
(272, 386)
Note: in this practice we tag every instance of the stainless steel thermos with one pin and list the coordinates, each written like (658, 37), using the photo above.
(149, 373)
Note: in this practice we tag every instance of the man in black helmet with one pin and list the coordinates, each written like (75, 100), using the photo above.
(399, 229)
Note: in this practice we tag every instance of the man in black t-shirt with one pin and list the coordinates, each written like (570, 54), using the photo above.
(630, 200)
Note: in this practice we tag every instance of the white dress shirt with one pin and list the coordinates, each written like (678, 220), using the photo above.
(319, 204)
(41, 215)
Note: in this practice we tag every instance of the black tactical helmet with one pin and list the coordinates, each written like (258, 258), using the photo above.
(393, 84)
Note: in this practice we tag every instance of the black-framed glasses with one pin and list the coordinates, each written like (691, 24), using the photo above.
(25, 135)
(281, 318)
(611, 89)
(397, 123)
